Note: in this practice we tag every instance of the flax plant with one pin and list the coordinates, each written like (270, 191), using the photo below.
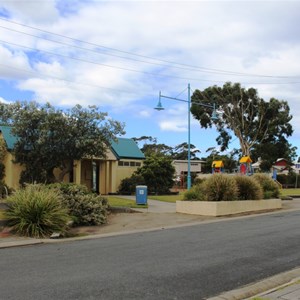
(36, 211)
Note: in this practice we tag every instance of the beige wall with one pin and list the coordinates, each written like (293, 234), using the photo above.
(126, 170)
(83, 174)
(109, 179)
(12, 171)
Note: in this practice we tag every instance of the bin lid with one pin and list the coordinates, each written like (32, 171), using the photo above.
(141, 186)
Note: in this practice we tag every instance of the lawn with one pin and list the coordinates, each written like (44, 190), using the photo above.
(167, 198)
(287, 192)
(121, 202)
(174, 198)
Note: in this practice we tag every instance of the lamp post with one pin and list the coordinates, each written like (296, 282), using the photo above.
(159, 107)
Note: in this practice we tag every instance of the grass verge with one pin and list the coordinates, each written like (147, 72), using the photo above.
(121, 202)
(287, 192)
(167, 198)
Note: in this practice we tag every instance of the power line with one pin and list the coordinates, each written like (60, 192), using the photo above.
(110, 66)
(133, 70)
(191, 68)
(66, 80)
(173, 64)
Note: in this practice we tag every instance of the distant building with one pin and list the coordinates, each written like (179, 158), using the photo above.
(296, 167)
(181, 166)
(282, 165)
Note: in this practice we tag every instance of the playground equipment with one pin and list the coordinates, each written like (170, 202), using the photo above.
(217, 166)
(246, 165)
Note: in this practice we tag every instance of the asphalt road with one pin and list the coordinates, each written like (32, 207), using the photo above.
(193, 262)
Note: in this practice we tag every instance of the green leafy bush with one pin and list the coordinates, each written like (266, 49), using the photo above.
(248, 188)
(4, 190)
(2, 170)
(269, 186)
(128, 185)
(158, 173)
(198, 180)
(36, 211)
(289, 180)
(85, 207)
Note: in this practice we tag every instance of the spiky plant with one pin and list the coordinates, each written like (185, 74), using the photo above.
(248, 187)
(36, 211)
(220, 187)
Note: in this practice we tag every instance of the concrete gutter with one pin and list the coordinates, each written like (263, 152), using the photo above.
(262, 287)
(13, 242)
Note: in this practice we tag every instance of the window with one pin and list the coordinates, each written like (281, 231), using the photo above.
(129, 163)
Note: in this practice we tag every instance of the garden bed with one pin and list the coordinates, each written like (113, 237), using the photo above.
(223, 208)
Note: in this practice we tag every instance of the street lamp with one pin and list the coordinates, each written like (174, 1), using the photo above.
(214, 116)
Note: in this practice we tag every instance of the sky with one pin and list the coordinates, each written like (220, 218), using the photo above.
(118, 55)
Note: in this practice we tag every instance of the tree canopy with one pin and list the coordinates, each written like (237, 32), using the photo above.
(179, 151)
(230, 162)
(244, 114)
(158, 173)
(50, 138)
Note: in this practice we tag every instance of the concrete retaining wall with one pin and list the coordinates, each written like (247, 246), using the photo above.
(222, 208)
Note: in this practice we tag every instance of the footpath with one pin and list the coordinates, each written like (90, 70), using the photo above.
(162, 215)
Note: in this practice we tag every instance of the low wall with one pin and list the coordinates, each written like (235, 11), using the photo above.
(223, 208)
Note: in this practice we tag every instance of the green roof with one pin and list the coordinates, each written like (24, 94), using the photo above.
(9, 138)
(126, 148)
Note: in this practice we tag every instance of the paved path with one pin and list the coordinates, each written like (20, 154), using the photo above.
(154, 206)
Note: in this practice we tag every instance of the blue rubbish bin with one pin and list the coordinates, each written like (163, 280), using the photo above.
(141, 192)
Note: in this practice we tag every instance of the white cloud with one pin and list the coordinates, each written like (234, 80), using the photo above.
(11, 62)
(2, 100)
(36, 11)
(172, 126)
(144, 113)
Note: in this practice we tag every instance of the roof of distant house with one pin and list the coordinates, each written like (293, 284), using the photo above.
(126, 148)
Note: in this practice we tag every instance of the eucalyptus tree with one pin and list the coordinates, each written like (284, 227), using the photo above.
(244, 114)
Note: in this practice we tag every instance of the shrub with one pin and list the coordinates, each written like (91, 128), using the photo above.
(195, 193)
(198, 180)
(36, 211)
(128, 185)
(4, 190)
(85, 207)
(248, 188)
(219, 187)
(71, 189)
(158, 173)
(269, 186)
(2, 170)
(289, 179)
